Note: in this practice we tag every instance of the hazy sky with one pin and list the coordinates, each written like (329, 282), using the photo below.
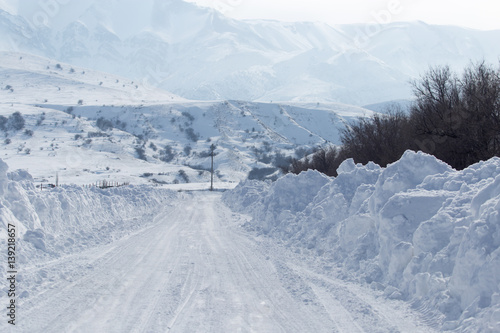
(477, 14)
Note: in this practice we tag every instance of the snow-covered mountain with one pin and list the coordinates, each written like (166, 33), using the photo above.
(88, 125)
(200, 54)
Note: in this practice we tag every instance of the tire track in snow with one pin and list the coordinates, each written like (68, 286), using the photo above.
(368, 314)
(69, 305)
(135, 286)
(341, 317)
(45, 305)
(168, 280)
(164, 286)
(273, 301)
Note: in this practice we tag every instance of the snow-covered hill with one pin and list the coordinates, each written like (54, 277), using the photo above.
(89, 126)
(199, 54)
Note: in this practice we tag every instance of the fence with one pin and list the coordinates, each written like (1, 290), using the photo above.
(100, 184)
(106, 184)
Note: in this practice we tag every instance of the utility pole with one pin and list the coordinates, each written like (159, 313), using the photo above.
(212, 148)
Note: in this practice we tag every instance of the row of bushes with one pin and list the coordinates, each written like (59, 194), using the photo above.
(455, 118)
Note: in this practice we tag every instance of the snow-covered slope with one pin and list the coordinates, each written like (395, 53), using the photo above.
(91, 126)
(33, 80)
(417, 230)
(200, 54)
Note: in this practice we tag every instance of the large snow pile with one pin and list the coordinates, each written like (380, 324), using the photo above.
(58, 222)
(418, 229)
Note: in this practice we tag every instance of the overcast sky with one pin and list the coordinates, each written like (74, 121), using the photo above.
(476, 14)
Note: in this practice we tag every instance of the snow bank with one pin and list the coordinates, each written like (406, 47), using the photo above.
(60, 221)
(418, 230)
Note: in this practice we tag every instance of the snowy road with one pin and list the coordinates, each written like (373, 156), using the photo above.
(195, 270)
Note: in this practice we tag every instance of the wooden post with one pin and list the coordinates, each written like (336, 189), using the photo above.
(212, 148)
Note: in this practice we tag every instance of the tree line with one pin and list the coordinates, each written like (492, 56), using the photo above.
(455, 118)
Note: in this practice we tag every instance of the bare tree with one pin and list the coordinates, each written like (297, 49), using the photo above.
(458, 120)
(455, 119)
(381, 139)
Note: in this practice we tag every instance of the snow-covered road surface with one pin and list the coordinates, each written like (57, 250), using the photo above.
(196, 270)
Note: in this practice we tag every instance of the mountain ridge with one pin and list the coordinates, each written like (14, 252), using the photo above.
(198, 53)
